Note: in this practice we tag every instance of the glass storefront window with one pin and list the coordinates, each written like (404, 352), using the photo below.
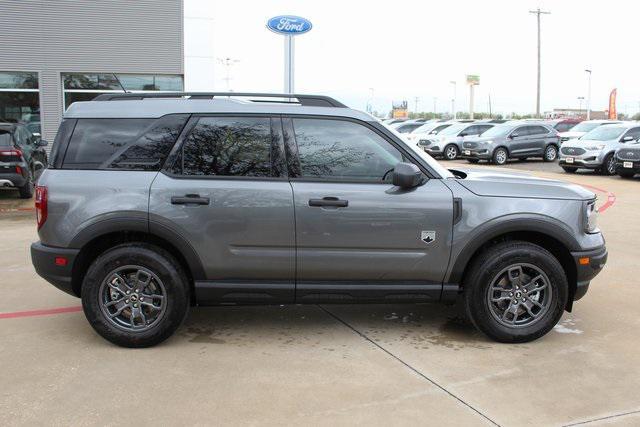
(85, 87)
(20, 98)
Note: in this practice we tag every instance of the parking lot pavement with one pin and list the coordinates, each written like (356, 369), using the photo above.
(333, 364)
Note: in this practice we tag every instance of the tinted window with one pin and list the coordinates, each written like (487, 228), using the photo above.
(408, 128)
(634, 133)
(564, 126)
(538, 130)
(483, 128)
(521, 131)
(5, 138)
(134, 144)
(228, 146)
(343, 150)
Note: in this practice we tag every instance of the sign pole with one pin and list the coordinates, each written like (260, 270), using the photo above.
(289, 49)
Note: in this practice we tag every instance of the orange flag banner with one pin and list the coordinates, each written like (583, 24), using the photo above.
(613, 114)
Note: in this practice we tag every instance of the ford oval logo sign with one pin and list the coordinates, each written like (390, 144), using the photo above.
(289, 25)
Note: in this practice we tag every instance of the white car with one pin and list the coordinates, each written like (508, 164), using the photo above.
(583, 127)
(427, 130)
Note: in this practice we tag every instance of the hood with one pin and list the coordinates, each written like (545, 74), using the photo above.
(570, 134)
(512, 184)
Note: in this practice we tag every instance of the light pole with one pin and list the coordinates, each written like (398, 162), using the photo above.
(538, 12)
(453, 100)
(417, 99)
(370, 102)
(435, 106)
(588, 95)
(228, 63)
(580, 99)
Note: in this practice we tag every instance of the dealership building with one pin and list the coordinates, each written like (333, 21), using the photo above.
(55, 52)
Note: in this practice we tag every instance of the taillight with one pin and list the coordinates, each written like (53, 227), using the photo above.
(16, 153)
(41, 205)
(18, 170)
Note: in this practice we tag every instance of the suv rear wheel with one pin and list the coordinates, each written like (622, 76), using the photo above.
(515, 292)
(135, 295)
(450, 152)
(500, 156)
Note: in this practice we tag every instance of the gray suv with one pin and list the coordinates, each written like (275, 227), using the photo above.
(154, 203)
(513, 140)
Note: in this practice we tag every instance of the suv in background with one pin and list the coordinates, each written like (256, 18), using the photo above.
(513, 140)
(583, 127)
(151, 205)
(595, 150)
(22, 158)
(627, 160)
(448, 142)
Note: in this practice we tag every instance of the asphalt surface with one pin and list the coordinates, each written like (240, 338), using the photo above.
(326, 365)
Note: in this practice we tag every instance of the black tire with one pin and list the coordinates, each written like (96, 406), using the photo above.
(473, 160)
(550, 153)
(608, 165)
(488, 266)
(500, 156)
(569, 170)
(157, 261)
(26, 191)
(626, 175)
(450, 152)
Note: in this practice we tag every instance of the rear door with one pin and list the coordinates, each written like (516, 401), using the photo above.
(539, 137)
(226, 193)
(358, 236)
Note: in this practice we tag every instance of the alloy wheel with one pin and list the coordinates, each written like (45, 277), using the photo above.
(501, 157)
(451, 152)
(519, 295)
(551, 153)
(133, 298)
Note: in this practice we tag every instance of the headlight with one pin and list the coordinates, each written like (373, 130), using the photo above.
(591, 217)
(489, 142)
(595, 147)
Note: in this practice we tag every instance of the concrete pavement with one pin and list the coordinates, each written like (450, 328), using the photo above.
(328, 365)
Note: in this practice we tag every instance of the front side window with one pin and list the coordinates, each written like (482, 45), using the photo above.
(228, 146)
(633, 133)
(339, 149)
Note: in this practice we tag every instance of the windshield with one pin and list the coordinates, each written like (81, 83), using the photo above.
(604, 133)
(419, 152)
(454, 129)
(425, 128)
(586, 126)
(500, 130)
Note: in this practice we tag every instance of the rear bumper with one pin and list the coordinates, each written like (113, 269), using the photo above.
(9, 180)
(597, 258)
(44, 261)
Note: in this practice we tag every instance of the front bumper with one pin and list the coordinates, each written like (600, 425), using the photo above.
(588, 160)
(588, 265)
(476, 153)
(44, 261)
(627, 166)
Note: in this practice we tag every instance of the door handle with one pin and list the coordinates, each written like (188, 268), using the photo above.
(329, 202)
(189, 199)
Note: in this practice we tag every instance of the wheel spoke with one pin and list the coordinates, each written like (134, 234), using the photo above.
(142, 284)
(114, 302)
(536, 303)
(118, 312)
(515, 275)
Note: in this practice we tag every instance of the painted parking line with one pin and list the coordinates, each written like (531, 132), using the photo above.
(611, 198)
(7, 210)
(42, 312)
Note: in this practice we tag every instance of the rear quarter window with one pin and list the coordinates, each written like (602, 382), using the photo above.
(130, 144)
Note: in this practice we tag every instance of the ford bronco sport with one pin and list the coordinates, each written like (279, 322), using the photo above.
(153, 203)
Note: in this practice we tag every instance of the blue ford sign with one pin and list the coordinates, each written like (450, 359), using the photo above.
(289, 25)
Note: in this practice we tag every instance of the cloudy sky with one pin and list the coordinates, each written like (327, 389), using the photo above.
(408, 49)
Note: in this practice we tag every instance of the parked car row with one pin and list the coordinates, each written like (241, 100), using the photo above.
(22, 158)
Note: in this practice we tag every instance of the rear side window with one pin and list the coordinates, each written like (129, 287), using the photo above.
(228, 146)
(338, 149)
(538, 130)
(564, 126)
(131, 144)
(5, 138)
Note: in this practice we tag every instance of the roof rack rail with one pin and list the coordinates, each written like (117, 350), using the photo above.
(304, 100)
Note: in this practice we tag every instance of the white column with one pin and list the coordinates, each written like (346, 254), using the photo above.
(289, 58)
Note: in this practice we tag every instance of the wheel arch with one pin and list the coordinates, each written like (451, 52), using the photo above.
(93, 244)
(555, 239)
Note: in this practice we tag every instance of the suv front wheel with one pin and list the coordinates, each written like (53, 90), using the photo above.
(135, 295)
(515, 292)
(550, 153)
(500, 156)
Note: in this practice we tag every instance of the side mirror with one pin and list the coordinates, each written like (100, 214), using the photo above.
(406, 175)
(627, 139)
(514, 135)
(463, 134)
(42, 143)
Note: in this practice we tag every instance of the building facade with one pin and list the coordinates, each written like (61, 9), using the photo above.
(55, 52)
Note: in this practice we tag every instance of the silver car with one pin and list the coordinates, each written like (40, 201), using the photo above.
(152, 205)
(595, 149)
(448, 143)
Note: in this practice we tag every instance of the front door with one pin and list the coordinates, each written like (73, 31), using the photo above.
(358, 236)
(227, 195)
